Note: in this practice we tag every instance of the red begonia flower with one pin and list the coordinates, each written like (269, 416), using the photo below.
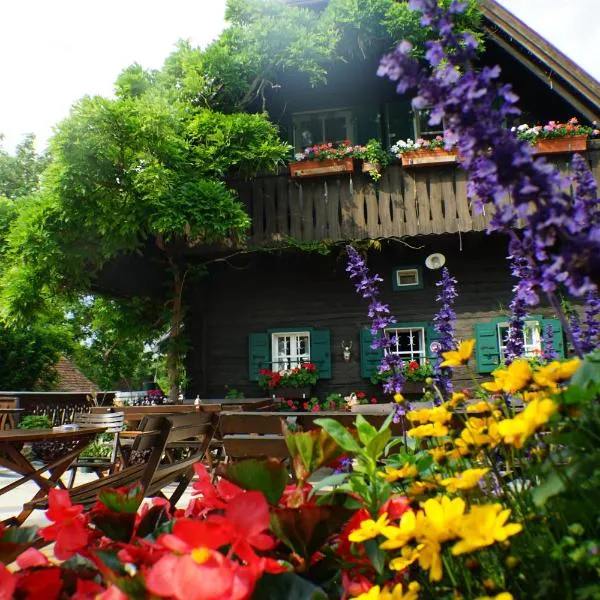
(32, 557)
(8, 583)
(112, 593)
(69, 532)
(41, 584)
(395, 507)
(87, 590)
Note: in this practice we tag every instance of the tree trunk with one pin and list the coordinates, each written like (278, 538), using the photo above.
(174, 345)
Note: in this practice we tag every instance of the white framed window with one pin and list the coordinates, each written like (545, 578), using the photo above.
(322, 127)
(409, 343)
(422, 127)
(532, 338)
(407, 277)
(290, 349)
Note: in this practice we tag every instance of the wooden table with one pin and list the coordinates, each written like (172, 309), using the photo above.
(7, 417)
(11, 457)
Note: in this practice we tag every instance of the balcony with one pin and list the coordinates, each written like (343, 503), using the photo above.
(406, 202)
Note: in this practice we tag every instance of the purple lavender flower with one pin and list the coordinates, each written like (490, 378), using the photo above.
(367, 287)
(444, 325)
(548, 352)
(562, 238)
(515, 343)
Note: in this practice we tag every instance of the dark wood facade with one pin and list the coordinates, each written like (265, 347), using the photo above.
(296, 290)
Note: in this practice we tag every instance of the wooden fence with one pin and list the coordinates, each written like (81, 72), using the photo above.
(405, 202)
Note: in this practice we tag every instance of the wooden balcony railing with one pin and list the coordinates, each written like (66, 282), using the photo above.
(405, 202)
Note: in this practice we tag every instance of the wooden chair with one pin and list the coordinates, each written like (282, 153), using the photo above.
(259, 434)
(114, 424)
(253, 435)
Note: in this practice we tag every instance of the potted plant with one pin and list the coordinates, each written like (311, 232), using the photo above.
(556, 137)
(421, 153)
(325, 159)
(45, 451)
(291, 383)
(374, 158)
(416, 376)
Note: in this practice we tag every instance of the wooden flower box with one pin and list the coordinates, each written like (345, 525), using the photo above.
(426, 157)
(569, 143)
(319, 168)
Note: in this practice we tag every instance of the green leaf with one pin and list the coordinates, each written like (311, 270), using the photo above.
(376, 555)
(286, 585)
(552, 486)
(122, 502)
(340, 434)
(366, 431)
(331, 480)
(267, 476)
(377, 445)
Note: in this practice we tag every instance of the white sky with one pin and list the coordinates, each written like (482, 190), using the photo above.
(55, 52)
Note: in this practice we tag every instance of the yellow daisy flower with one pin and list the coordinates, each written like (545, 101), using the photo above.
(439, 414)
(429, 430)
(460, 356)
(484, 525)
(369, 529)
(463, 481)
(392, 474)
(398, 593)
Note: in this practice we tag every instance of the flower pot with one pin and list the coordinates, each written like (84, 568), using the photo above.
(290, 393)
(316, 168)
(430, 156)
(568, 143)
(413, 387)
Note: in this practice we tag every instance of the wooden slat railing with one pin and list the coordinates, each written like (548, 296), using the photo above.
(406, 202)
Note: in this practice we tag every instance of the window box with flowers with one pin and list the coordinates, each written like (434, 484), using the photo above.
(421, 152)
(415, 376)
(290, 383)
(329, 159)
(555, 137)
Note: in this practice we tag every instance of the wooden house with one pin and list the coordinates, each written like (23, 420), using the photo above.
(273, 309)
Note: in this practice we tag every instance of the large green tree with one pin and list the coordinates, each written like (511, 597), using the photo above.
(146, 167)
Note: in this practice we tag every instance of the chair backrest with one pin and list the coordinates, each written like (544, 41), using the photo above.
(112, 421)
(191, 433)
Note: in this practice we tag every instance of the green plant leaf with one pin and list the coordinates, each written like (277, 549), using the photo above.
(331, 480)
(340, 434)
(267, 476)
(366, 431)
(377, 444)
(122, 502)
(376, 555)
(286, 585)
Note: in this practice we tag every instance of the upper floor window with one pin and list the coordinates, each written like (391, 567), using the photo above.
(312, 128)
(422, 127)
(409, 343)
(290, 350)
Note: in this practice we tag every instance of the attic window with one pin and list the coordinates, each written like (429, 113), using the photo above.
(407, 278)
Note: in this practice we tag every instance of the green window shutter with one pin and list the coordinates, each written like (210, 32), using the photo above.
(369, 358)
(558, 343)
(486, 345)
(259, 354)
(320, 352)
(431, 335)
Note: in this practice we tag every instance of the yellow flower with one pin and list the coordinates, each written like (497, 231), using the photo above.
(376, 593)
(516, 376)
(482, 526)
(398, 398)
(464, 481)
(460, 356)
(456, 399)
(393, 474)
(430, 415)
(369, 529)
(408, 557)
(501, 596)
(480, 407)
(429, 430)
(430, 559)
(550, 375)
(440, 518)
(516, 431)
(399, 536)
(439, 454)
(418, 488)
